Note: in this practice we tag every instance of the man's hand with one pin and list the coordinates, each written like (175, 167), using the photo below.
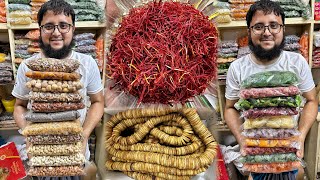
(300, 152)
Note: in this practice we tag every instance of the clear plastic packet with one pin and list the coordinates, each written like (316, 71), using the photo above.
(271, 111)
(85, 49)
(223, 55)
(35, 8)
(83, 36)
(21, 46)
(3, 11)
(53, 128)
(21, 41)
(55, 97)
(273, 150)
(238, 15)
(20, 21)
(244, 7)
(272, 167)
(6, 79)
(23, 56)
(221, 5)
(228, 50)
(225, 60)
(33, 34)
(242, 1)
(18, 1)
(290, 39)
(51, 117)
(36, 3)
(5, 66)
(19, 14)
(269, 143)
(100, 52)
(243, 41)
(227, 44)
(270, 133)
(56, 171)
(268, 92)
(292, 47)
(86, 11)
(223, 19)
(85, 42)
(87, 17)
(243, 51)
(304, 45)
(56, 106)
(62, 76)
(53, 86)
(290, 7)
(77, 159)
(15, 7)
(21, 51)
(53, 65)
(3, 19)
(55, 139)
(306, 12)
(282, 101)
(269, 158)
(42, 1)
(5, 73)
(34, 44)
(270, 79)
(287, 122)
(292, 13)
(32, 50)
(55, 149)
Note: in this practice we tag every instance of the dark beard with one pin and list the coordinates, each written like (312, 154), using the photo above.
(266, 55)
(58, 54)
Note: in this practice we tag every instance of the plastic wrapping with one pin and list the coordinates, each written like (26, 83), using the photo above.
(290, 101)
(290, 39)
(5, 79)
(18, 1)
(271, 111)
(33, 34)
(287, 122)
(22, 41)
(51, 117)
(225, 60)
(15, 7)
(21, 46)
(20, 21)
(88, 17)
(223, 19)
(32, 50)
(56, 171)
(5, 73)
(55, 150)
(53, 65)
(83, 36)
(242, 1)
(22, 51)
(273, 150)
(55, 97)
(53, 86)
(223, 55)
(85, 49)
(77, 159)
(56, 106)
(227, 44)
(228, 50)
(269, 92)
(269, 143)
(53, 75)
(292, 14)
(270, 79)
(304, 43)
(243, 51)
(270, 133)
(55, 139)
(54, 128)
(269, 158)
(5, 66)
(272, 167)
(19, 14)
(85, 42)
(292, 47)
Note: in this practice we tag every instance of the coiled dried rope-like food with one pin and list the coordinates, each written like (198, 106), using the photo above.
(165, 143)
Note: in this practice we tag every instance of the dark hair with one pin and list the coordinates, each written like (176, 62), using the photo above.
(267, 7)
(58, 7)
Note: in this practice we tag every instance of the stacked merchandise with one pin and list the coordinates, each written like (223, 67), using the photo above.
(243, 46)
(304, 45)
(295, 8)
(316, 50)
(317, 10)
(219, 11)
(7, 121)
(55, 133)
(3, 18)
(19, 12)
(269, 102)
(227, 53)
(87, 10)
(86, 44)
(26, 45)
(292, 43)
(239, 8)
(6, 75)
(35, 7)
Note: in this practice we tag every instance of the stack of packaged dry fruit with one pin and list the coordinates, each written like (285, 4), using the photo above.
(54, 132)
(270, 103)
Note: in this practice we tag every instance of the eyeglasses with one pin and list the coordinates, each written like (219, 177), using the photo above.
(63, 28)
(259, 29)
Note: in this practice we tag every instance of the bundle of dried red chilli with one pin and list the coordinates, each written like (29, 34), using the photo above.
(163, 52)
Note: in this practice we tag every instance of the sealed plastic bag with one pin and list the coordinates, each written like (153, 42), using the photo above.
(55, 139)
(5, 66)
(271, 111)
(19, 14)
(83, 36)
(55, 97)
(18, 1)
(56, 171)
(270, 79)
(85, 42)
(33, 34)
(62, 76)
(273, 150)
(287, 122)
(51, 117)
(55, 150)
(228, 50)
(288, 101)
(14, 7)
(292, 47)
(53, 65)
(270, 133)
(77, 159)
(53, 86)
(85, 49)
(223, 19)
(227, 44)
(272, 167)
(272, 143)
(269, 92)
(269, 158)
(56, 106)
(290, 39)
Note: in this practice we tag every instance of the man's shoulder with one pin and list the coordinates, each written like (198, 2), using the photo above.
(81, 56)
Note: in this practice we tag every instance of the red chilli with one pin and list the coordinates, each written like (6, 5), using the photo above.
(164, 52)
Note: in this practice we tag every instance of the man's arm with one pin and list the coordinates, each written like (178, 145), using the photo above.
(232, 118)
(307, 117)
(20, 108)
(94, 114)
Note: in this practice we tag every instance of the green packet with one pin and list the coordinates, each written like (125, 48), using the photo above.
(291, 101)
(270, 158)
(270, 79)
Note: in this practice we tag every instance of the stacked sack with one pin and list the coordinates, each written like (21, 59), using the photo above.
(87, 10)
(244, 49)
(19, 12)
(227, 53)
(292, 43)
(316, 50)
(239, 8)
(217, 11)
(85, 43)
(6, 74)
(269, 102)
(3, 18)
(295, 8)
(35, 7)
(55, 133)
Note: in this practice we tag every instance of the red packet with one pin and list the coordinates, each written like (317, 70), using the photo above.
(11, 167)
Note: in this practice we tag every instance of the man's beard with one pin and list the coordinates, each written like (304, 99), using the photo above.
(58, 54)
(266, 55)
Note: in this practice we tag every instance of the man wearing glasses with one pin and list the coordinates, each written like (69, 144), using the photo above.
(265, 23)
(56, 20)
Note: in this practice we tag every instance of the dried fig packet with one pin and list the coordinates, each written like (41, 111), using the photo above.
(56, 106)
(53, 65)
(55, 139)
(55, 97)
(77, 159)
(38, 85)
(50, 117)
(56, 171)
(55, 150)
